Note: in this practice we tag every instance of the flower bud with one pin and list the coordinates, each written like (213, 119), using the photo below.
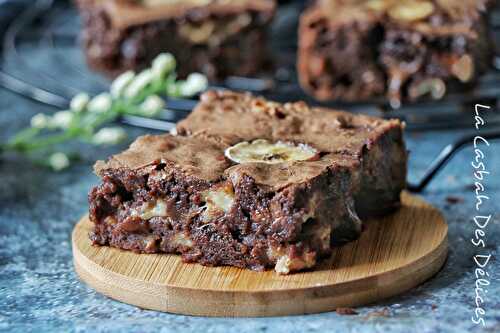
(151, 106)
(100, 103)
(163, 65)
(121, 82)
(109, 136)
(58, 161)
(194, 84)
(40, 120)
(141, 81)
(61, 119)
(79, 102)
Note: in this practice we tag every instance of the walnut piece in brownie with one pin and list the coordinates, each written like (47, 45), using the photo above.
(403, 50)
(215, 37)
(250, 183)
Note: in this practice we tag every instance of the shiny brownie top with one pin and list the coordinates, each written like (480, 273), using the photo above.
(231, 135)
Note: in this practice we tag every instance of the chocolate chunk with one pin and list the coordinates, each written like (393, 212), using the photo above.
(346, 311)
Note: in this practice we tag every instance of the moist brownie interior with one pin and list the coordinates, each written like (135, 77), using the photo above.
(250, 183)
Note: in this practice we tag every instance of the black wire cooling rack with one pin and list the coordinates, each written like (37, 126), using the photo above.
(42, 61)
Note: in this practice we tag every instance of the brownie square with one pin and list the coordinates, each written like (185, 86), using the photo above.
(250, 183)
(215, 37)
(401, 50)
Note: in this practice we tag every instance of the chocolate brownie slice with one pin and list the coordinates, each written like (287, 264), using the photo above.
(403, 50)
(250, 183)
(216, 37)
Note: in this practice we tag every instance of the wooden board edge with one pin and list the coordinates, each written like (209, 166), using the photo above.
(258, 304)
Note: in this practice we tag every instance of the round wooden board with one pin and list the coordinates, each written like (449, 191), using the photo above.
(393, 254)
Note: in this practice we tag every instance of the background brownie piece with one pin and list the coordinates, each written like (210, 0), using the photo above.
(401, 49)
(376, 145)
(219, 38)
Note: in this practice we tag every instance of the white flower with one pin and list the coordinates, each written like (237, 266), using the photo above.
(194, 84)
(58, 161)
(151, 106)
(40, 120)
(109, 136)
(100, 103)
(163, 64)
(79, 102)
(61, 119)
(141, 81)
(121, 82)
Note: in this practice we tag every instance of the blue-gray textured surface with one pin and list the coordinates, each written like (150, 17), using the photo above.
(39, 290)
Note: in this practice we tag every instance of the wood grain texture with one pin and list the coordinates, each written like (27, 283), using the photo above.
(394, 254)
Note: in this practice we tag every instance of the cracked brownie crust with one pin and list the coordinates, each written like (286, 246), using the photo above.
(184, 194)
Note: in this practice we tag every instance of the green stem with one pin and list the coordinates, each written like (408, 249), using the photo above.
(84, 125)
(25, 135)
(44, 142)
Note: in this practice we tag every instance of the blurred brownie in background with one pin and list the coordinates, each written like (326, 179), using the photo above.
(215, 37)
(403, 50)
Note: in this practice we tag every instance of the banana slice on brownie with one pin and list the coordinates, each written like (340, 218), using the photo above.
(263, 151)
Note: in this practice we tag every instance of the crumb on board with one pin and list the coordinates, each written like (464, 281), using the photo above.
(452, 199)
(346, 311)
(379, 313)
